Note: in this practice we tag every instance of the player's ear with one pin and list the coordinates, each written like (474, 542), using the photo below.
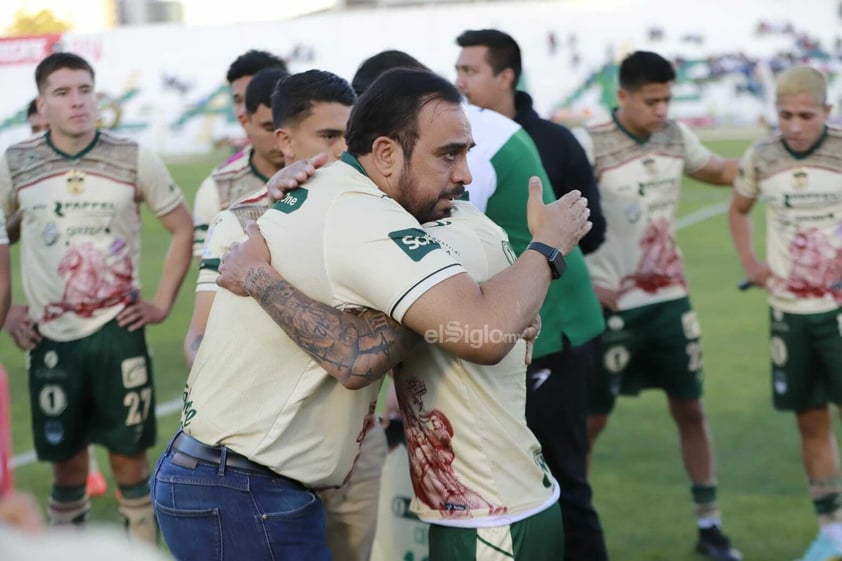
(622, 95)
(507, 77)
(386, 155)
(283, 140)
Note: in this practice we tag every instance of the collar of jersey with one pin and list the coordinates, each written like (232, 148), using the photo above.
(255, 171)
(353, 162)
(808, 151)
(78, 154)
(627, 132)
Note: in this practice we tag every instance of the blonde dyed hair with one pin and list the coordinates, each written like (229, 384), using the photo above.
(802, 79)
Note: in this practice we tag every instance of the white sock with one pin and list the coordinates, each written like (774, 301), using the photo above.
(833, 530)
(706, 522)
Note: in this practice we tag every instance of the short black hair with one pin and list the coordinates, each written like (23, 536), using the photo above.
(294, 96)
(260, 88)
(644, 67)
(503, 50)
(58, 61)
(372, 67)
(251, 62)
(390, 108)
(32, 108)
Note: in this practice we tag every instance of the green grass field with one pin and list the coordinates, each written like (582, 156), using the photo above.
(639, 483)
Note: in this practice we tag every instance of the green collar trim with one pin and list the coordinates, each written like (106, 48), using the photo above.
(810, 150)
(627, 132)
(77, 155)
(353, 162)
(254, 170)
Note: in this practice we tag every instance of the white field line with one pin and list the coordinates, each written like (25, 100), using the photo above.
(174, 405)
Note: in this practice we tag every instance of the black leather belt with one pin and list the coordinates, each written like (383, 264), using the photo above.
(189, 446)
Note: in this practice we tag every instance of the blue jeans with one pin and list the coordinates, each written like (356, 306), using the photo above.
(218, 513)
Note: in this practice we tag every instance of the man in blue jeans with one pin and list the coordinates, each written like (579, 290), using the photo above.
(237, 482)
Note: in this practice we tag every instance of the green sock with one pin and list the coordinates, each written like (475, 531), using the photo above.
(68, 494)
(136, 491)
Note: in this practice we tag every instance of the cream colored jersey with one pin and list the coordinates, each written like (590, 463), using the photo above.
(473, 461)
(639, 183)
(344, 243)
(803, 220)
(227, 227)
(231, 181)
(80, 234)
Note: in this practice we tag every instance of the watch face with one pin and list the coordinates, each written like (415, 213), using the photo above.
(559, 265)
(555, 259)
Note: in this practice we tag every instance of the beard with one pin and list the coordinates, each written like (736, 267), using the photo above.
(423, 209)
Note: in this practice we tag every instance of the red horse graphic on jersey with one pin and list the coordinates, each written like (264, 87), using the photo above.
(660, 263)
(816, 266)
(93, 279)
(428, 437)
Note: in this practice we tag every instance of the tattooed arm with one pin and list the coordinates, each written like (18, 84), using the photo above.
(355, 347)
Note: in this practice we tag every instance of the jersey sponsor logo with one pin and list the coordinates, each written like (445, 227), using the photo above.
(778, 351)
(50, 359)
(207, 264)
(800, 200)
(91, 208)
(134, 372)
(779, 381)
(87, 230)
(292, 201)
(415, 242)
(54, 431)
(50, 234)
(615, 323)
(633, 212)
(616, 359)
(545, 470)
(645, 186)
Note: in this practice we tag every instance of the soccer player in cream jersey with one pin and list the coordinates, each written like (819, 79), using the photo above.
(90, 377)
(248, 169)
(652, 339)
(23, 329)
(798, 172)
(243, 179)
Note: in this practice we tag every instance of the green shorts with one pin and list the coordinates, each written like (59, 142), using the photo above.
(537, 538)
(654, 346)
(96, 389)
(806, 353)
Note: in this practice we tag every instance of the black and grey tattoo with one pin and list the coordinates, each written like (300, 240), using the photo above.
(357, 347)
